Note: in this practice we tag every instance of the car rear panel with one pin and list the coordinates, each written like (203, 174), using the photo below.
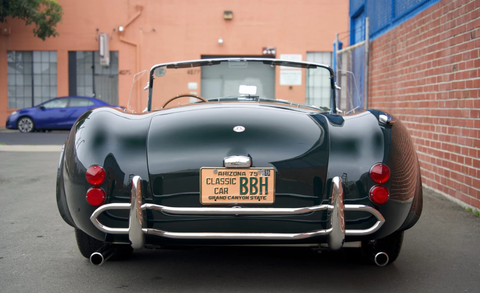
(289, 141)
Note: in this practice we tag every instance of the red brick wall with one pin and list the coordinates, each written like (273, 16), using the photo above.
(427, 73)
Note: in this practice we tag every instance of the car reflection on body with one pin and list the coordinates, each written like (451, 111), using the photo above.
(56, 114)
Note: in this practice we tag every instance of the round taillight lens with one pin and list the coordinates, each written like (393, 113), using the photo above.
(379, 194)
(96, 196)
(95, 175)
(380, 173)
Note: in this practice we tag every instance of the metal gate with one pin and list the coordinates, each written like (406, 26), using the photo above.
(352, 75)
(106, 88)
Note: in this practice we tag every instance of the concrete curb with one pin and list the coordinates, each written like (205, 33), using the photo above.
(30, 148)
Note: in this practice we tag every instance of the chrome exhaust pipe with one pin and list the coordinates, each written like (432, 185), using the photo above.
(381, 259)
(102, 255)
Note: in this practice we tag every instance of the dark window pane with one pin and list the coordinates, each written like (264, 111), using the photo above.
(89, 80)
(37, 79)
(37, 91)
(45, 56)
(53, 92)
(19, 79)
(27, 91)
(53, 68)
(11, 103)
(19, 66)
(45, 68)
(37, 68)
(37, 56)
(114, 57)
(20, 102)
(80, 80)
(45, 79)
(28, 57)
(28, 67)
(27, 79)
(53, 56)
(11, 93)
(98, 68)
(53, 80)
(19, 91)
(45, 91)
(18, 57)
(80, 69)
(97, 58)
(11, 80)
(37, 100)
(11, 56)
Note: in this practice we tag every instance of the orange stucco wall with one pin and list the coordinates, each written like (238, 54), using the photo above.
(164, 30)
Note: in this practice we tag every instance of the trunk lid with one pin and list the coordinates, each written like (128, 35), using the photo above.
(181, 142)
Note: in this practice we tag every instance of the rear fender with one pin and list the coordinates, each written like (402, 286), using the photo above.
(361, 141)
(60, 192)
(111, 139)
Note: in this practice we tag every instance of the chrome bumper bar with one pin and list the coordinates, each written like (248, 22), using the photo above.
(336, 233)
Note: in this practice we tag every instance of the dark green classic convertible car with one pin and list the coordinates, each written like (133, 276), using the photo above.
(237, 165)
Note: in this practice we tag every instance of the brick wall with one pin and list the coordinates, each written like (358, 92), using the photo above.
(427, 73)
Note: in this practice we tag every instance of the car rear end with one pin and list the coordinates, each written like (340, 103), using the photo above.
(220, 176)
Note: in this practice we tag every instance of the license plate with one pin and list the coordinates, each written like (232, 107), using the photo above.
(234, 186)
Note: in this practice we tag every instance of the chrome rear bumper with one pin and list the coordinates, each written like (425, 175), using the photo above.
(336, 233)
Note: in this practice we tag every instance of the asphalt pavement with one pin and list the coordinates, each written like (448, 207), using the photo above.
(13, 140)
(14, 137)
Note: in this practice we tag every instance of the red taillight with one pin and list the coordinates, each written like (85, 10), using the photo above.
(379, 194)
(96, 196)
(380, 173)
(95, 175)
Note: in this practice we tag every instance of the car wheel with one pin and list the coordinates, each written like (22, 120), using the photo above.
(88, 245)
(391, 245)
(25, 124)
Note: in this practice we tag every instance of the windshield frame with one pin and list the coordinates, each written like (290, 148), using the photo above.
(216, 61)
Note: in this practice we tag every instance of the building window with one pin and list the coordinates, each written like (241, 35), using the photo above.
(85, 74)
(87, 77)
(32, 77)
(319, 90)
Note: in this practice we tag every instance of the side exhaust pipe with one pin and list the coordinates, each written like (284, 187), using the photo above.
(102, 255)
(381, 259)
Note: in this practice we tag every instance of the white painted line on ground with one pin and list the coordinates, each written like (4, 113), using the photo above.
(30, 148)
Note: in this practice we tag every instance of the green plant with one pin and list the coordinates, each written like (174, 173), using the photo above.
(45, 14)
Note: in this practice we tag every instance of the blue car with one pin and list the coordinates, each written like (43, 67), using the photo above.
(58, 113)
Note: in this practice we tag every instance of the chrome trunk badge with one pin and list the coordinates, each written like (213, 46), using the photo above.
(239, 129)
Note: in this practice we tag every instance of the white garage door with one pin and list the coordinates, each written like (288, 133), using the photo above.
(221, 81)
